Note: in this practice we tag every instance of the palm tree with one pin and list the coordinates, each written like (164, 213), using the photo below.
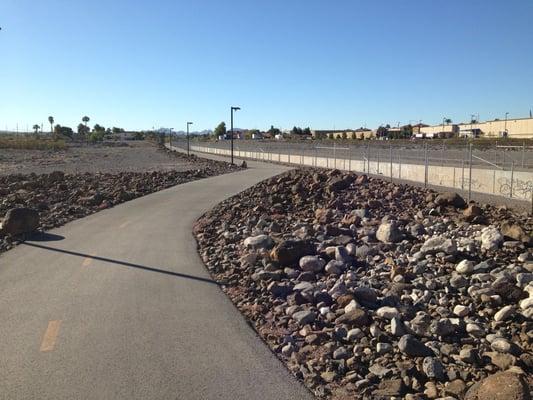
(51, 120)
(448, 121)
(36, 128)
(85, 120)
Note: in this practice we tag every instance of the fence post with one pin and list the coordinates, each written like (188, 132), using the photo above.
(400, 164)
(512, 178)
(334, 155)
(523, 153)
(470, 174)
(426, 165)
(390, 162)
(377, 171)
(463, 173)
(494, 181)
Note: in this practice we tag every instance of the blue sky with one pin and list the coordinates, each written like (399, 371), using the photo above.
(323, 64)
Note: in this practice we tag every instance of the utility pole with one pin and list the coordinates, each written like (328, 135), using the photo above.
(505, 125)
(188, 146)
(232, 109)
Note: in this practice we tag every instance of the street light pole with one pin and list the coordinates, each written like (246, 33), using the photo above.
(232, 109)
(505, 126)
(188, 147)
(170, 138)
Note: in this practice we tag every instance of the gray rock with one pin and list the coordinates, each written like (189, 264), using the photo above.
(397, 327)
(356, 318)
(334, 267)
(259, 242)
(304, 317)
(439, 244)
(388, 232)
(433, 368)
(20, 220)
(341, 254)
(491, 238)
(469, 355)
(312, 263)
(340, 353)
(411, 346)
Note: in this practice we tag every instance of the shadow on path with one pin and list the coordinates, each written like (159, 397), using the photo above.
(45, 237)
(125, 263)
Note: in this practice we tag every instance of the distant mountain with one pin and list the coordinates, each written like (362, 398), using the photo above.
(204, 132)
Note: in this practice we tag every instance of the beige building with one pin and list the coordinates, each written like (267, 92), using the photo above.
(440, 131)
(517, 128)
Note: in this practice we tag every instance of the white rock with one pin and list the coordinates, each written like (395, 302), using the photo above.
(387, 312)
(505, 313)
(354, 334)
(474, 329)
(501, 345)
(461, 311)
(312, 263)
(465, 267)
(351, 306)
(383, 348)
(526, 303)
(491, 238)
(258, 242)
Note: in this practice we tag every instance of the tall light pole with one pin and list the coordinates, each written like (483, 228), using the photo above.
(505, 125)
(232, 109)
(188, 151)
(170, 137)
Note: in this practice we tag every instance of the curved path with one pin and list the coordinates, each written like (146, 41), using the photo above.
(118, 305)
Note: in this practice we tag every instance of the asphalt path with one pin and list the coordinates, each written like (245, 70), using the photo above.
(118, 305)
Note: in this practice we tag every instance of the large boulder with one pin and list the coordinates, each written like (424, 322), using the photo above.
(289, 252)
(20, 220)
(450, 199)
(388, 232)
(515, 232)
(500, 386)
(491, 238)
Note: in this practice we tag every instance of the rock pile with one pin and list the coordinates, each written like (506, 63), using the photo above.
(30, 202)
(374, 290)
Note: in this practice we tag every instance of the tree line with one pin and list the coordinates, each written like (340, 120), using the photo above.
(84, 132)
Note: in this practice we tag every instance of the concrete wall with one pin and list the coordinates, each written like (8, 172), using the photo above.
(515, 184)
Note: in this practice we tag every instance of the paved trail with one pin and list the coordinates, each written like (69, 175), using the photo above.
(120, 306)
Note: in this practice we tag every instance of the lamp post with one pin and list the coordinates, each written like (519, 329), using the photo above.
(170, 138)
(505, 125)
(232, 109)
(188, 147)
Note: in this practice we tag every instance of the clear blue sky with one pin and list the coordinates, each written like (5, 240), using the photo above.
(323, 64)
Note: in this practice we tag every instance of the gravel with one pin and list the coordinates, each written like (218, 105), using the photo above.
(437, 306)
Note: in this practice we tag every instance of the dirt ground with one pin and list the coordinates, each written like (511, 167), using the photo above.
(132, 156)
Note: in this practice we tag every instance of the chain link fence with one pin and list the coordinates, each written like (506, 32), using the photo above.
(497, 170)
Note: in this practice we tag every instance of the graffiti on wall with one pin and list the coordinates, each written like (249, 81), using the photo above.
(520, 188)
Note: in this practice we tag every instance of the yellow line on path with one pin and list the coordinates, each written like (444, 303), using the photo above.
(125, 224)
(50, 336)
(87, 261)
